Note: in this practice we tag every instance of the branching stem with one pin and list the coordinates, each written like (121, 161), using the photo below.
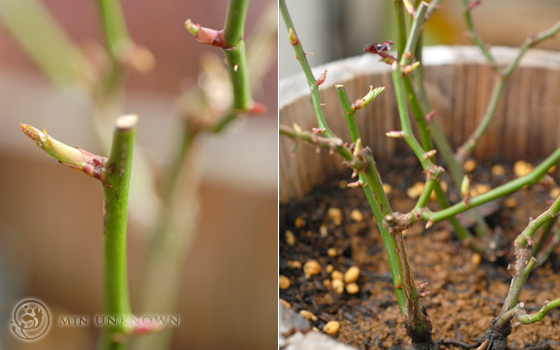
(235, 54)
(475, 38)
(115, 287)
(495, 193)
(539, 316)
(467, 147)
(311, 81)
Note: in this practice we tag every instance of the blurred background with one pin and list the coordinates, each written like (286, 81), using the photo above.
(333, 29)
(51, 217)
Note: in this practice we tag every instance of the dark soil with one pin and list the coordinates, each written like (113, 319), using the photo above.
(466, 295)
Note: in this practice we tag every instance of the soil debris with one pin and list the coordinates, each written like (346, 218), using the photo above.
(467, 291)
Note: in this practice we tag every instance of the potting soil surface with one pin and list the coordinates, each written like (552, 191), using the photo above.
(467, 291)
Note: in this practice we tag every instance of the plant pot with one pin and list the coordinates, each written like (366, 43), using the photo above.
(459, 84)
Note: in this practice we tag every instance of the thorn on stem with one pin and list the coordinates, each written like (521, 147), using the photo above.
(304, 54)
(356, 184)
(429, 224)
(395, 134)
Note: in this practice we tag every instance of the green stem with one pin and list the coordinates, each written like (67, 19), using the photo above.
(516, 287)
(349, 113)
(44, 40)
(374, 183)
(415, 319)
(373, 190)
(549, 248)
(543, 238)
(495, 193)
(434, 5)
(539, 316)
(414, 36)
(531, 41)
(118, 42)
(235, 22)
(235, 54)
(172, 235)
(474, 36)
(419, 106)
(400, 91)
(409, 303)
(115, 191)
(432, 177)
(223, 122)
(419, 116)
(523, 265)
(331, 143)
(311, 81)
(371, 176)
(405, 120)
(114, 25)
(534, 225)
(401, 27)
(238, 70)
(465, 150)
(464, 235)
(376, 196)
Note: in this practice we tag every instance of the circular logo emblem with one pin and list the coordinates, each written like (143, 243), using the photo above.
(31, 320)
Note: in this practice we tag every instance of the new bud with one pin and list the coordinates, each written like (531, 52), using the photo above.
(322, 78)
(430, 154)
(206, 35)
(361, 103)
(74, 157)
(292, 37)
(410, 68)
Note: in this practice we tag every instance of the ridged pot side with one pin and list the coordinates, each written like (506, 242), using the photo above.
(459, 84)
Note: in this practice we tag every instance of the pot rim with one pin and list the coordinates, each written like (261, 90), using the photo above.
(295, 86)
